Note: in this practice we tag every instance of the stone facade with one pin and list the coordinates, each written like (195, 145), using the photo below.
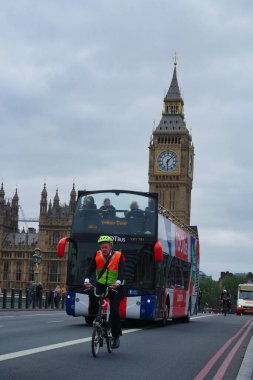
(17, 247)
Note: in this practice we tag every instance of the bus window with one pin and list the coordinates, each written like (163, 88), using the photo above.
(138, 267)
(186, 273)
(179, 277)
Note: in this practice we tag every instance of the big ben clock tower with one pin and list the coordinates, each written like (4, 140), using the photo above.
(171, 155)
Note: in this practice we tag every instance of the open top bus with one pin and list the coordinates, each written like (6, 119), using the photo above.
(161, 255)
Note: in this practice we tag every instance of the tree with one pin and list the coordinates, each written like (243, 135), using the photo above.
(210, 293)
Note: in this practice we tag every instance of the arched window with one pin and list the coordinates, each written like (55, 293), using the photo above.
(56, 237)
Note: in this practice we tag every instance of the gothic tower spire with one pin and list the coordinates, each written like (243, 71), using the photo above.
(72, 201)
(43, 202)
(2, 194)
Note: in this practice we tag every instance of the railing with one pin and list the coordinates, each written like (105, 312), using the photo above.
(17, 299)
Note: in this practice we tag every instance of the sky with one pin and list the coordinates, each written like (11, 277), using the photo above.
(81, 88)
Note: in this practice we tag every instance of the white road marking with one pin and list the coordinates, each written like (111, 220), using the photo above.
(56, 321)
(205, 316)
(18, 354)
(8, 316)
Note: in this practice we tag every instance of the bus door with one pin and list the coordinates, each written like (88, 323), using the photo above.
(161, 294)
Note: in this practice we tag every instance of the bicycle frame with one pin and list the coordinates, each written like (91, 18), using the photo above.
(102, 297)
(101, 326)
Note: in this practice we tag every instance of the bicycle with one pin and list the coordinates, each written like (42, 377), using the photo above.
(225, 309)
(101, 326)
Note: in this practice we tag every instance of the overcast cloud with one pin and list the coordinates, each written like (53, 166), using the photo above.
(82, 82)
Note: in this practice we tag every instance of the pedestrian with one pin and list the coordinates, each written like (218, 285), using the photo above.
(63, 294)
(57, 296)
(64, 290)
(29, 292)
(38, 291)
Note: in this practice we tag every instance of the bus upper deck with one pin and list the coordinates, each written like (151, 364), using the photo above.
(115, 212)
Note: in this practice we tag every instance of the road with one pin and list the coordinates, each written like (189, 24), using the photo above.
(51, 345)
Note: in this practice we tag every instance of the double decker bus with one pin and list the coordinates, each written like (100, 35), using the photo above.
(161, 256)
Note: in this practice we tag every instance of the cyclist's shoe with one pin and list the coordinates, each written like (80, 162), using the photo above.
(115, 343)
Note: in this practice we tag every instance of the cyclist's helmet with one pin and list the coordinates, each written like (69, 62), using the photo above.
(105, 239)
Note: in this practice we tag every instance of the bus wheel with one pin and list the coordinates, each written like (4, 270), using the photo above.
(89, 320)
(187, 318)
(163, 322)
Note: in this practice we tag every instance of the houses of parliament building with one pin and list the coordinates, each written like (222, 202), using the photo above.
(171, 162)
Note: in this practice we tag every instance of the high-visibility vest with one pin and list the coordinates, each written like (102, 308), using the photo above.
(110, 275)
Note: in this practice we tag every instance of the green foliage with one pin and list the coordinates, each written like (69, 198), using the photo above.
(210, 293)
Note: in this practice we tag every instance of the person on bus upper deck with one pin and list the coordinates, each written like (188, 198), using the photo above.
(110, 271)
(89, 203)
(134, 212)
(149, 216)
(151, 206)
(107, 210)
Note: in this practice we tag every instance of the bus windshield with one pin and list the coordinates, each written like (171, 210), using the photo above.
(115, 212)
(246, 295)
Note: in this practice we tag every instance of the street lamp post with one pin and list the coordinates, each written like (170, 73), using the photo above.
(37, 261)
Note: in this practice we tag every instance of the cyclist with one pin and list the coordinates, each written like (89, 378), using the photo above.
(226, 299)
(110, 271)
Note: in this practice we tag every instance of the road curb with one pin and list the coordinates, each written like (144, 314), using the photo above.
(246, 369)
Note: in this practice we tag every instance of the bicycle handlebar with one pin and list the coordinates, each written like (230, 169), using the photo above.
(103, 295)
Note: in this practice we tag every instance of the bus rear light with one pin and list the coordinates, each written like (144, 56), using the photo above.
(61, 246)
(158, 252)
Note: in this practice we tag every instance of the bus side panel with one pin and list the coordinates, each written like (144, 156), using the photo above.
(81, 305)
(142, 307)
(166, 234)
(194, 282)
(179, 303)
(70, 303)
(181, 244)
(171, 295)
(148, 305)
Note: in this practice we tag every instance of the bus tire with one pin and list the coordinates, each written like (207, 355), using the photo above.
(187, 318)
(163, 322)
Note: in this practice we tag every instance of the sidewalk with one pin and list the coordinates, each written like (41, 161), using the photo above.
(246, 369)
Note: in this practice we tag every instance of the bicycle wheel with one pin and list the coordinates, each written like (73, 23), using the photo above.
(109, 338)
(109, 344)
(95, 342)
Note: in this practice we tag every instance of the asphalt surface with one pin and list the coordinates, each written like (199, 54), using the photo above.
(51, 345)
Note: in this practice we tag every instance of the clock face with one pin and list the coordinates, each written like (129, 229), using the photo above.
(167, 160)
